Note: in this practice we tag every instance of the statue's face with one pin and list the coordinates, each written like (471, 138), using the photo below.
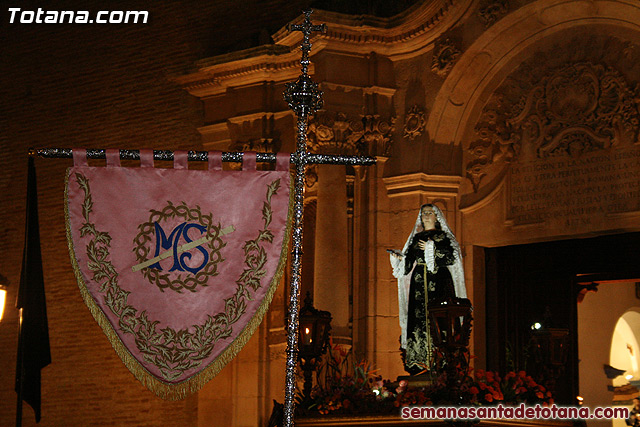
(428, 218)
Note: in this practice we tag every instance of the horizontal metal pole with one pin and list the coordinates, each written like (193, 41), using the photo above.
(331, 159)
(202, 156)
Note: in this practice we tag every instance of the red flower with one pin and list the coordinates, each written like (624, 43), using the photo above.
(474, 390)
(488, 397)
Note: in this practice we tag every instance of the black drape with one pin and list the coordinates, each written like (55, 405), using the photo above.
(33, 342)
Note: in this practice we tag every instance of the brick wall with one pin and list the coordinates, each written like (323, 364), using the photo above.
(98, 86)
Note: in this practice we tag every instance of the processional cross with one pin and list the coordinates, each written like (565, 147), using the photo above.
(304, 99)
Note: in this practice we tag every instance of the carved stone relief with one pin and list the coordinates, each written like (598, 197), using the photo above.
(574, 109)
(560, 138)
(376, 137)
(414, 122)
(492, 10)
(444, 57)
(335, 133)
(257, 132)
(311, 177)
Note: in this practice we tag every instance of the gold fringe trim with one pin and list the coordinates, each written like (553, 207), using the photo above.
(191, 385)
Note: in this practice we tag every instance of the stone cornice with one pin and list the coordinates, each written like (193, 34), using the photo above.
(214, 75)
(405, 35)
(422, 183)
(259, 116)
(379, 90)
(219, 132)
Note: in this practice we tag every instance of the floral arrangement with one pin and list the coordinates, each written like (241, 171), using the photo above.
(487, 388)
(345, 387)
(348, 387)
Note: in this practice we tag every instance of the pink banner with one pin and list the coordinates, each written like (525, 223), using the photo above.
(177, 266)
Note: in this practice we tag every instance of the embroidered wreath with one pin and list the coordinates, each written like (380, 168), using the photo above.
(186, 281)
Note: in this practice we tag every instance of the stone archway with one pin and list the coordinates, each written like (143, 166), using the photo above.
(625, 355)
(625, 347)
(608, 320)
(500, 50)
(534, 88)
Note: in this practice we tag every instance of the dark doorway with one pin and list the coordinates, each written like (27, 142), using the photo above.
(525, 281)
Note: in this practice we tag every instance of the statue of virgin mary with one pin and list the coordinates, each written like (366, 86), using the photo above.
(429, 270)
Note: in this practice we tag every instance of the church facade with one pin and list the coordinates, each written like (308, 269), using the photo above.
(519, 119)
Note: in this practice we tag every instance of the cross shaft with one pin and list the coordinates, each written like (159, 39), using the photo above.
(304, 98)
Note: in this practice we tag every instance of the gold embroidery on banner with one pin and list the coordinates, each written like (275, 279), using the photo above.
(175, 352)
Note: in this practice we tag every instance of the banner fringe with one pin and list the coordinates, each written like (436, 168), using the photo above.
(168, 391)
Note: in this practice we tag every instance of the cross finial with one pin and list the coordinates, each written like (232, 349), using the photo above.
(306, 28)
(303, 95)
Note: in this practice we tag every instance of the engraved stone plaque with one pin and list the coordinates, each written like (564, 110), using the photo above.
(572, 192)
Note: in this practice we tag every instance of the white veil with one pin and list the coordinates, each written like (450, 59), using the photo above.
(404, 280)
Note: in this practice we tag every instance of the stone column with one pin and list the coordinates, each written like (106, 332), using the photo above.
(331, 278)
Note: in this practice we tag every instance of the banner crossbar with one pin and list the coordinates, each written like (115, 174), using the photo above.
(203, 156)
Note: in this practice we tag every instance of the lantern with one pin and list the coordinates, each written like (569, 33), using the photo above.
(313, 337)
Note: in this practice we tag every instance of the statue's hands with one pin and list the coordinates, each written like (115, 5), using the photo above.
(396, 254)
(422, 244)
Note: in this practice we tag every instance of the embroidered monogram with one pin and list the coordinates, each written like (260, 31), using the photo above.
(153, 237)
